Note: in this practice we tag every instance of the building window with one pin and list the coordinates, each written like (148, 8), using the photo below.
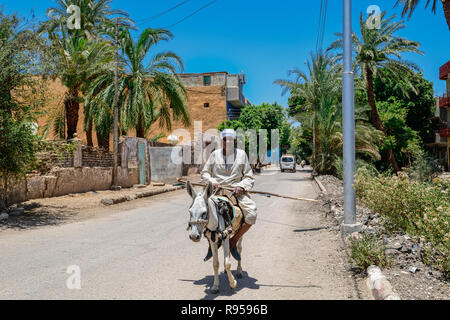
(206, 105)
(206, 80)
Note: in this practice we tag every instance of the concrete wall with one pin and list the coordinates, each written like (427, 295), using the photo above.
(166, 164)
(196, 79)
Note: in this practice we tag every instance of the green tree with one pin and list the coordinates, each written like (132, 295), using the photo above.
(321, 80)
(403, 140)
(268, 116)
(380, 48)
(410, 5)
(329, 121)
(300, 143)
(420, 103)
(147, 93)
(94, 14)
(22, 54)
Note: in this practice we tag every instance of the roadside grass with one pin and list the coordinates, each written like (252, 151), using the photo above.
(367, 251)
(421, 209)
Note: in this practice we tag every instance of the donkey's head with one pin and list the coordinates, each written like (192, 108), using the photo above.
(198, 211)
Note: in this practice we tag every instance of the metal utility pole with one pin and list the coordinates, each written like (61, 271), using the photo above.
(348, 120)
(116, 109)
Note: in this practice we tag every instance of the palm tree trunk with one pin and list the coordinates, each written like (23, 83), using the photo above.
(72, 108)
(446, 7)
(376, 121)
(103, 141)
(90, 143)
(140, 131)
(316, 144)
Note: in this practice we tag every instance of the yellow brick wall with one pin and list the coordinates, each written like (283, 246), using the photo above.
(210, 117)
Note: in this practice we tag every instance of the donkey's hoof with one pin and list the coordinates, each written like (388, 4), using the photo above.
(233, 285)
(239, 275)
(215, 290)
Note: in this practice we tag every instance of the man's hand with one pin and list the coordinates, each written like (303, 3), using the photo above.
(239, 191)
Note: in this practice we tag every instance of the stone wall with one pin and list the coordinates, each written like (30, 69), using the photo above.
(91, 170)
(64, 181)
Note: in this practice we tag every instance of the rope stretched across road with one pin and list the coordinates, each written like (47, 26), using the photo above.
(266, 194)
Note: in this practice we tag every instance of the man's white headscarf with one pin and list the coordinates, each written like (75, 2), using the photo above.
(228, 133)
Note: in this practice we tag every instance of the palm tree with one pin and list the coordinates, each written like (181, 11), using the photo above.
(146, 93)
(93, 13)
(76, 64)
(410, 5)
(329, 120)
(322, 80)
(380, 48)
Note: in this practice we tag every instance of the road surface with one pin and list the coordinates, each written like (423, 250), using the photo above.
(141, 250)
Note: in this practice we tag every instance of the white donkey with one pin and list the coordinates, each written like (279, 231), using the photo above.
(205, 220)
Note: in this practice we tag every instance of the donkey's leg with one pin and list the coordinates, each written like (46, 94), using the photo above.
(215, 288)
(227, 263)
(239, 267)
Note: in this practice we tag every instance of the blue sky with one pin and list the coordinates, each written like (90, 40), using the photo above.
(265, 39)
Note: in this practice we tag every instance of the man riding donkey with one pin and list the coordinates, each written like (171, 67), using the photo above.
(229, 167)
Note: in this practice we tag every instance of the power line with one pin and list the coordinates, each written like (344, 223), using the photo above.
(322, 23)
(190, 15)
(146, 20)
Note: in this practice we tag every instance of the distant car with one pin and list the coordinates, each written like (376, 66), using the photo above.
(288, 163)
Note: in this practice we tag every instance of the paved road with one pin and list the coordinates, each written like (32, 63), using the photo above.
(145, 253)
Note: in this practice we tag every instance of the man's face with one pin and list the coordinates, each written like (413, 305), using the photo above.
(228, 144)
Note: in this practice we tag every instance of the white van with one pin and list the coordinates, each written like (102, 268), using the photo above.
(288, 162)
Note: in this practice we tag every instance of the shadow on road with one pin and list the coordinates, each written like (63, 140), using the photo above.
(36, 216)
(310, 229)
(299, 229)
(246, 282)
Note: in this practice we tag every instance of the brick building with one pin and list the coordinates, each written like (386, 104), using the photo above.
(212, 98)
(441, 145)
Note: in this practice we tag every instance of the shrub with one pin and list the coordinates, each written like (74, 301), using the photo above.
(367, 251)
(359, 163)
(418, 208)
(425, 169)
(17, 153)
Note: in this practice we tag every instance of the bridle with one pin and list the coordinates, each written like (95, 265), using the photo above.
(202, 222)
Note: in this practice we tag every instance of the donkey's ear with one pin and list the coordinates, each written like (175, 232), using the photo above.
(208, 191)
(190, 189)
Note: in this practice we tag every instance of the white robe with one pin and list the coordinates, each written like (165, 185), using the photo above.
(229, 173)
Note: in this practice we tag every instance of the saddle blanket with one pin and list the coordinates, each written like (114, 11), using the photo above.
(232, 213)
